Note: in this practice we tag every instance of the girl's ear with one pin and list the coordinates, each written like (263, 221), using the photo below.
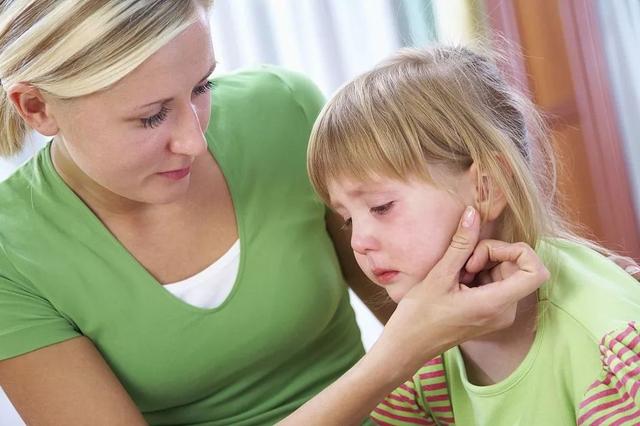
(489, 197)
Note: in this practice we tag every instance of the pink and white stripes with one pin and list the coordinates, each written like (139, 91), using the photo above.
(406, 405)
(614, 400)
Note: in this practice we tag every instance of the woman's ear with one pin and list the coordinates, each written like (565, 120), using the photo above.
(34, 109)
(489, 198)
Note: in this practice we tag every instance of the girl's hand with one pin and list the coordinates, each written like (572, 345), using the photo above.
(441, 312)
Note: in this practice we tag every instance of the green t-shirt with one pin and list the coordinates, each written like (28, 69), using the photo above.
(583, 367)
(285, 332)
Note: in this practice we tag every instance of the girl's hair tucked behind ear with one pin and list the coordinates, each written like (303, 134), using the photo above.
(446, 106)
(71, 48)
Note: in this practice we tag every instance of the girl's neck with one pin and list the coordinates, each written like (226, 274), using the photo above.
(492, 358)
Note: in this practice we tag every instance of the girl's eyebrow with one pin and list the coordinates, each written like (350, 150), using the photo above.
(359, 191)
(164, 101)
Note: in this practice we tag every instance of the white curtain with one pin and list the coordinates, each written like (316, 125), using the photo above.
(328, 40)
(331, 40)
(620, 25)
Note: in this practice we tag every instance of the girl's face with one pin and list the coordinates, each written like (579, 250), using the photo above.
(139, 139)
(400, 229)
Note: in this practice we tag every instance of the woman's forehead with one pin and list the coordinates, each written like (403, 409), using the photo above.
(180, 65)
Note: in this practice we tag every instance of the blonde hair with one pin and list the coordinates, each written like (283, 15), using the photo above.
(446, 106)
(71, 48)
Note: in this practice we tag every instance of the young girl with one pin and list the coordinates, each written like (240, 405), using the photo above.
(398, 153)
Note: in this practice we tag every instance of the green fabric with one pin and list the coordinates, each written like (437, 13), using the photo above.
(286, 330)
(589, 298)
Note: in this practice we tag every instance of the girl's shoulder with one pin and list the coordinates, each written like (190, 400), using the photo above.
(588, 288)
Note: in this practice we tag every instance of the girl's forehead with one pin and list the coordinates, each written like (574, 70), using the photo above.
(340, 190)
(372, 181)
(358, 185)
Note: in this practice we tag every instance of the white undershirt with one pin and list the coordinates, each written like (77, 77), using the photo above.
(210, 287)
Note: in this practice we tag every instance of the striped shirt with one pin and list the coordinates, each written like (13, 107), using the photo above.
(583, 367)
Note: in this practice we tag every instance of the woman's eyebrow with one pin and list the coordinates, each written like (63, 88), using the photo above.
(165, 100)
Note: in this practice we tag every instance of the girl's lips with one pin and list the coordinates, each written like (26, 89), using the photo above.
(176, 174)
(385, 276)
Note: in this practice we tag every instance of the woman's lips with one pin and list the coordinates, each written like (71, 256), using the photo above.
(384, 276)
(176, 174)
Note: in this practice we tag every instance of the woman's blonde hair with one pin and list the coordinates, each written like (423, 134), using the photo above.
(445, 106)
(71, 48)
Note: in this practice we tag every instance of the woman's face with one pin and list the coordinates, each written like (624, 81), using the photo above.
(399, 230)
(139, 138)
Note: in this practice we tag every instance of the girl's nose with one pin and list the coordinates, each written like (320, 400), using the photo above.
(363, 240)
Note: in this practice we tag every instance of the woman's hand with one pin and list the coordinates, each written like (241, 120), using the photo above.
(442, 312)
(435, 315)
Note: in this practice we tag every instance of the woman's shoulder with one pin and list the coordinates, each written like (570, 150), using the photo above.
(28, 203)
(261, 119)
(268, 86)
(19, 189)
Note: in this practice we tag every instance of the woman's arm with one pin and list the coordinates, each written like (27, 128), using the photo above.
(434, 316)
(68, 383)
(371, 295)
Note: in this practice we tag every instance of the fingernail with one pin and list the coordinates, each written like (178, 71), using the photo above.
(468, 217)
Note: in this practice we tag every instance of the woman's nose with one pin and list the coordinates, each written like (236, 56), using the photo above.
(188, 138)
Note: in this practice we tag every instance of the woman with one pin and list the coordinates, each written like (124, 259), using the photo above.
(163, 260)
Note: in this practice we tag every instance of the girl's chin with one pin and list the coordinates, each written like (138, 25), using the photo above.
(396, 295)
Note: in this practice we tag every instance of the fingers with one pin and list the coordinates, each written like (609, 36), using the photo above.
(462, 244)
(519, 253)
(480, 260)
(527, 278)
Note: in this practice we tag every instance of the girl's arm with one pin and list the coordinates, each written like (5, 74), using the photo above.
(68, 383)
(434, 316)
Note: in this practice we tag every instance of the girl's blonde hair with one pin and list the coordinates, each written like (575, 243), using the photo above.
(71, 48)
(445, 106)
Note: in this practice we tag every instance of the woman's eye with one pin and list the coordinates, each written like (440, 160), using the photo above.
(201, 90)
(155, 120)
(382, 209)
(346, 225)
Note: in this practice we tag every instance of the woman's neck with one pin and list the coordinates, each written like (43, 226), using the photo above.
(492, 358)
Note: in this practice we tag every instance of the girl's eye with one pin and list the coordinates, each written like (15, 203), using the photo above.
(384, 208)
(201, 90)
(346, 225)
(155, 120)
